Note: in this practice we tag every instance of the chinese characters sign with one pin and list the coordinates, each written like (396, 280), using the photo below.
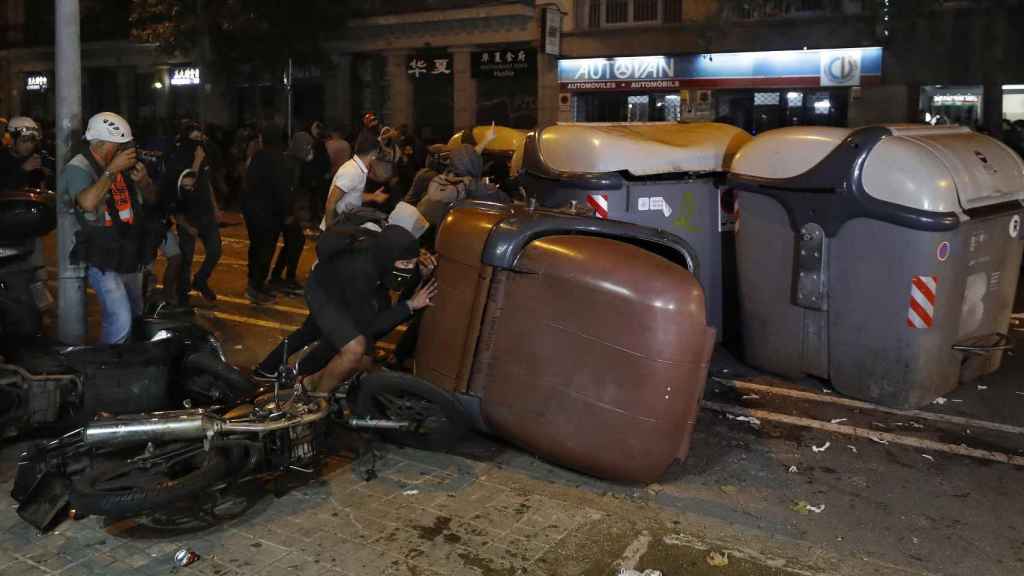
(505, 63)
(429, 66)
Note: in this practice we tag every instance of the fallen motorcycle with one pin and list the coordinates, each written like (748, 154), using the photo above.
(127, 465)
(47, 385)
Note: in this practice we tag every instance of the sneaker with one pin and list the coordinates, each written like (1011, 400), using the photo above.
(258, 296)
(293, 288)
(260, 375)
(203, 288)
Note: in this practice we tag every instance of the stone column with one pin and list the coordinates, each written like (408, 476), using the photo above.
(547, 90)
(399, 108)
(465, 89)
(338, 95)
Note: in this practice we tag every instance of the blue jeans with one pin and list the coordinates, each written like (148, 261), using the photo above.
(120, 298)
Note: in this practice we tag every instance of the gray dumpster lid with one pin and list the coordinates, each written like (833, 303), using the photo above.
(930, 168)
(642, 149)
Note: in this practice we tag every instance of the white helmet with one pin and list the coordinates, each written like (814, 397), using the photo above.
(108, 127)
(23, 126)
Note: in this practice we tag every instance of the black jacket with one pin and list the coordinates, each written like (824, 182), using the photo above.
(267, 183)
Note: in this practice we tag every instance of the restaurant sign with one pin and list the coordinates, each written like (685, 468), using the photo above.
(505, 63)
(846, 67)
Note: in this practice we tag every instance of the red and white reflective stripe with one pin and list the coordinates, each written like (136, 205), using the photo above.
(599, 202)
(922, 301)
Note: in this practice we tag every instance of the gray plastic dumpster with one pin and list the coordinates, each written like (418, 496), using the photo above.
(883, 259)
(661, 175)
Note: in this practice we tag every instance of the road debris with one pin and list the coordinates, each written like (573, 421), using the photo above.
(879, 440)
(838, 420)
(750, 397)
(980, 387)
(939, 401)
(238, 347)
(852, 448)
(803, 507)
(410, 492)
(955, 400)
(821, 448)
(718, 560)
(728, 489)
(793, 470)
(927, 457)
(879, 425)
(749, 419)
(185, 557)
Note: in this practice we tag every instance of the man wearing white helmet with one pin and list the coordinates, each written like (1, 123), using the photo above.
(108, 188)
(21, 166)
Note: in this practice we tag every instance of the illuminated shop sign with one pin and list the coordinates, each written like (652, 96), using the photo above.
(955, 99)
(37, 83)
(185, 76)
(845, 67)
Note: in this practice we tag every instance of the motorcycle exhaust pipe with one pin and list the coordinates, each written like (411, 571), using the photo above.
(183, 425)
(160, 427)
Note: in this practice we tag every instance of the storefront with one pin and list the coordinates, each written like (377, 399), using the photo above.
(952, 105)
(756, 91)
(431, 73)
(506, 78)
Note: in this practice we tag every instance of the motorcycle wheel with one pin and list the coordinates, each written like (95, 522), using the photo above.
(122, 489)
(438, 419)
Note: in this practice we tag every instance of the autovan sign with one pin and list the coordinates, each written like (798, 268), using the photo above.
(848, 67)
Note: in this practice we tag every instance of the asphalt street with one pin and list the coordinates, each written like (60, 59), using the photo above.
(783, 478)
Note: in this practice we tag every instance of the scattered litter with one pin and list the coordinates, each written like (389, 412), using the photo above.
(238, 347)
(750, 397)
(880, 425)
(930, 459)
(908, 425)
(750, 419)
(879, 440)
(718, 560)
(185, 557)
(940, 401)
(793, 470)
(852, 448)
(805, 507)
(837, 420)
(980, 387)
(655, 488)
(821, 448)
(625, 572)
(410, 492)
(917, 425)
(956, 400)
(728, 489)
(916, 541)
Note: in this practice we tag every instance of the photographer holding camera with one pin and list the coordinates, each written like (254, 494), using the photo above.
(109, 189)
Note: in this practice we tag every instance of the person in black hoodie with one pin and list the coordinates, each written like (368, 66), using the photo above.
(344, 294)
(196, 210)
(284, 277)
(265, 209)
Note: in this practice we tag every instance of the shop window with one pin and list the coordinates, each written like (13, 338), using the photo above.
(778, 9)
(616, 11)
(766, 98)
(795, 99)
(637, 109)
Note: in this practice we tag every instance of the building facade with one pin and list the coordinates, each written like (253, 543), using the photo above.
(440, 66)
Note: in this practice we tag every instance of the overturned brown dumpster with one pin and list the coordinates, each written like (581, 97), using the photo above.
(582, 340)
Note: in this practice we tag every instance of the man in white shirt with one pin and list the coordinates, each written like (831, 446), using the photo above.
(349, 184)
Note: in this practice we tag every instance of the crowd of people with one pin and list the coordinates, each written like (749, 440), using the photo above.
(374, 204)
